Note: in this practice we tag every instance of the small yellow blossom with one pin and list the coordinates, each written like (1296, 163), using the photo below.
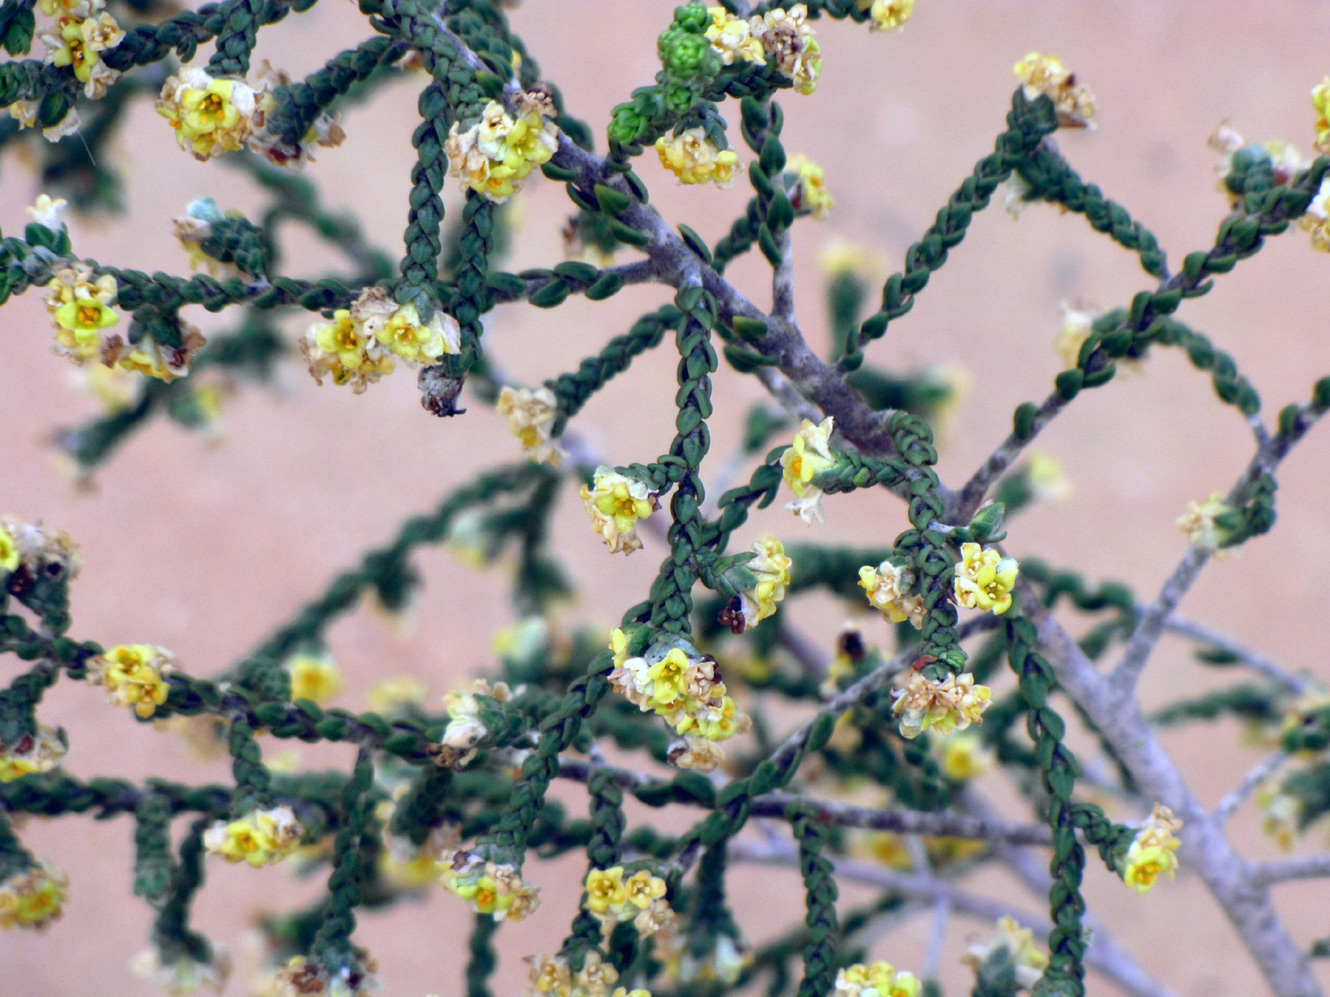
(80, 309)
(604, 889)
(1199, 522)
(890, 15)
(696, 753)
(134, 675)
(49, 212)
(40, 751)
(489, 888)
(1045, 75)
(1152, 851)
(1018, 943)
(615, 502)
(531, 416)
(9, 556)
(724, 961)
(752, 605)
(184, 975)
(210, 116)
(612, 899)
(946, 706)
(808, 456)
(494, 156)
(302, 978)
(984, 579)
(732, 39)
(1317, 219)
(809, 191)
(465, 729)
(78, 43)
(1045, 477)
(314, 677)
(694, 158)
(411, 866)
(965, 757)
(417, 341)
(1281, 816)
(792, 45)
(890, 589)
(340, 349)
(261, 837)
(397, 694)
(32, 549)
(33, 897)
(1321, 102)
(878, 979)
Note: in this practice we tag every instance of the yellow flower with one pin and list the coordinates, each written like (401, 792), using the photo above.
(604, 889)
(790, 41)
(1317, 219)
(878, 979)
(1045, 75)
(33, 897)
(48, 212)
(397, 694)
(494, 156)
(40, 751)
(465, 729)
(210, 116)
(1321, 102)
(531, 416)
(809, 191)
(314, 677)
(808, 456)
(965, 757)
(731, 38)
(488, 887)
(984, 579)
(420, 342)
(78, 43)
(1152, 851)
(550, 974)
(9, 556)
(261, 837)
(134, 675)
(946, 706)
(615, 503)
(1281, 817)
(694, 158)
(340, 349)
(1199, 522)
(890, 15)
(642, 888)
(888, 588)
(81, 310)
(752, 605)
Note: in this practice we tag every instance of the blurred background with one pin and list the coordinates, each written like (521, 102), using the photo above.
(206, 548)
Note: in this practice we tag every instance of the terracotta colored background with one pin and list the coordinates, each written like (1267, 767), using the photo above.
(205, 550)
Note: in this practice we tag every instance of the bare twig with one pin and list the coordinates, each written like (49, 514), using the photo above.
(1308, 867)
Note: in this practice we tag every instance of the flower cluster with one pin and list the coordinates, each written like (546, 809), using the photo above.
(210, 116)
(890, 15)
(791, 43)
(615, 502)
(693, 157)
(640, 899)
(302, 978)
(1202, 522)
(1014, 946)
(984, 579)
(1152, 851)
(261, 837)
(134, 675)
(1046, 76)
(808, 191)
(495, 155)
(184, 974)
(28, 551)
(877, 979)
(81, 33)
(314, 677)
(950, 705)
(531, 416)
(770, 571)
(33, 897)
(80, 310)
(465, 729)
(890, 588)
(686, 689)
(808, 456)
(40, 751)
(732, 38)
(551, 974)
(360, 343)
(490, 887)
